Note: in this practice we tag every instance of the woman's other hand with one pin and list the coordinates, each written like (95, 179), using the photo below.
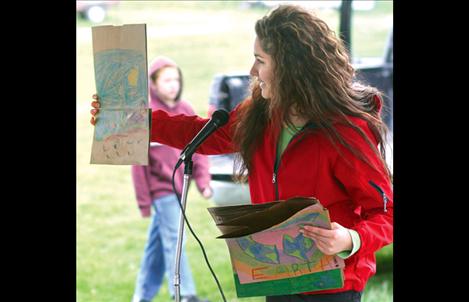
(329, 242)
(94, 112)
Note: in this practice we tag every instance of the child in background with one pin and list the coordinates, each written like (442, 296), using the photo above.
(153, 188)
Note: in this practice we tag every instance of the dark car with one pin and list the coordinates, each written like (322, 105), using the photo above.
(378, 72)
(228, 90)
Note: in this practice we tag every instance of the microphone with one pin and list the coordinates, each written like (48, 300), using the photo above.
(219, 118)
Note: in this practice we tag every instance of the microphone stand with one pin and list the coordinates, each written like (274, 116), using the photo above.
(185, 189)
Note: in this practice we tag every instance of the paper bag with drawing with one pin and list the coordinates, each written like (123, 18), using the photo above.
(121, 135)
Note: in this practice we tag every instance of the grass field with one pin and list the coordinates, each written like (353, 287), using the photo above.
(205, 38)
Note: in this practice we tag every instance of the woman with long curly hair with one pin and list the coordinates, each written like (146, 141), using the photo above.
(308, 129)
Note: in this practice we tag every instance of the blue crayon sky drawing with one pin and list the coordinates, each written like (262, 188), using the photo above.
(121, 84)
(121, 78)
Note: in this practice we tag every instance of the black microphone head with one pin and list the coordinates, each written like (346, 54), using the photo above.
(220, 117)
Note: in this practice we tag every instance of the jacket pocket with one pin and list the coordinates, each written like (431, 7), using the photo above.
(380, 191)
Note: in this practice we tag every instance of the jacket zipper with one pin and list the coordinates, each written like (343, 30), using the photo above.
(276, 167)
(385, 198)
(274, 177)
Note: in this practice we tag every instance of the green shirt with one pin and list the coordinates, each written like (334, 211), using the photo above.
(284, 139)
(285, 136)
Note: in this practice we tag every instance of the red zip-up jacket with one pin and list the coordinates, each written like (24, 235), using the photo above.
(357, 196)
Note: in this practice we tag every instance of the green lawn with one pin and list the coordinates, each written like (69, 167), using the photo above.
(205, 38)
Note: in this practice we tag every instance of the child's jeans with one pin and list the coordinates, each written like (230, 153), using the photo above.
(160, 253)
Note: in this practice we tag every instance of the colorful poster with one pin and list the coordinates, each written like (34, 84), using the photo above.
(277, 259)
(121, 135)
(282, 251)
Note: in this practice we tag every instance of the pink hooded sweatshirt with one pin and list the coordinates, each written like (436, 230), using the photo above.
(154, 181)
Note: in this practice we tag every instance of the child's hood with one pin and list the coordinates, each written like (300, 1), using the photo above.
(158, 63)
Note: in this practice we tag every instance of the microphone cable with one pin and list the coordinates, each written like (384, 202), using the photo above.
(193, 234)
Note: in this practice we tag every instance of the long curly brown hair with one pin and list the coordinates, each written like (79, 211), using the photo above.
(312, 75)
